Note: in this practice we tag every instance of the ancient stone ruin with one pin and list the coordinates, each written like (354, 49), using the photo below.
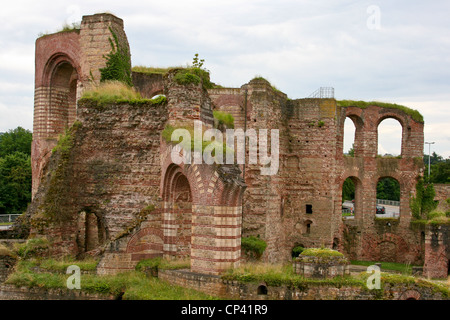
(115, 192)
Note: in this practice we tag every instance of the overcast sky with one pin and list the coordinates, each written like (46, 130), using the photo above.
(392, 51)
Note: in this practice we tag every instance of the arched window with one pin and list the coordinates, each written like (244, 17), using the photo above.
(349, 137)
(389, 138)
(351, 197)
(388, 198)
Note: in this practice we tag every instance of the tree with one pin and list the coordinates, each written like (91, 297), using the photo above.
(15, 183)
(18, 139)
(388, 189)
(15, 170)
(348, 190)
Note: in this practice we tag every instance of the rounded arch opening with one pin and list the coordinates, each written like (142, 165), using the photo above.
(177, 219)
(388, 198)
(351, 197)
(64, 92)
(389, 137)
(349, 137)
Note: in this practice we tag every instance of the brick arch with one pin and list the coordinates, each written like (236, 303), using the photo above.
(54, 63)
(410, 295)
(215, 219)
(145, 243)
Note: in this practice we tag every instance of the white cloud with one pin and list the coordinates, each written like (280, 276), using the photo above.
(298, 45)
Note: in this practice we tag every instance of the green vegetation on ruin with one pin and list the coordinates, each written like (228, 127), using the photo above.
(278, 275)
(118, 62)
(404, 268)
(163, 264)
(73, 27)
(153, 70)
(253, 246)
(321, 252)
(416, 115)
(133, 285)
(167, 136)
(224, 118)
(110, 92)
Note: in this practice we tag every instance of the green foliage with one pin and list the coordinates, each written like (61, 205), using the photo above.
(15, 183)
(321, 252)
(423, 203)
(133, 285)
(16, 140)
(196, 62)
(348, 190)
(364, 104)
(388, 189)
(224, 118)
(32, 247)
(110, 92)
(193, 76)
(440, 168)
(253, 245)
(404, 268)
(296, 251)
(118, 63)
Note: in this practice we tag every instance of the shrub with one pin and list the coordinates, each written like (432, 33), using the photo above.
(253, 245)
(321, 252)
(296, 251)
(224, 118)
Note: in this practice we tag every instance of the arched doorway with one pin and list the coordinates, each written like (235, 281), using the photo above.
(177, 220)
(351, 198)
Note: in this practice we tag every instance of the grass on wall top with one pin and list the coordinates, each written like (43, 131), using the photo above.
(416, 115)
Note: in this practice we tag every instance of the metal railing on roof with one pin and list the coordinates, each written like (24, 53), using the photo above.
(323, 93)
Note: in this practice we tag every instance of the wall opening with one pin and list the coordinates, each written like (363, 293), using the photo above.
(389, 133)
(349, 137)
(308, 224)
(351, 198)
(177, 218)
(91, 232)
(309, 209)
(262, 290)
(388, 198)
(63, 97)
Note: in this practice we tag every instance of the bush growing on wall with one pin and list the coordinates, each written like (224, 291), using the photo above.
(253, 246)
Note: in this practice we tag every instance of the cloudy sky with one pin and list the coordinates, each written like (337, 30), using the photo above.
(392, 51)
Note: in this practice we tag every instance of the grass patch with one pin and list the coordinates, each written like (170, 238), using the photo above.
(32, 247)
(165, 264)
(133, 285)
(321, 252)
(393, 266)
(110, 92)
(416, 115)
(152, 70)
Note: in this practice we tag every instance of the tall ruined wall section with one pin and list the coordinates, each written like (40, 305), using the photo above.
(107, 173)
(367, 237)
(66, 64)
